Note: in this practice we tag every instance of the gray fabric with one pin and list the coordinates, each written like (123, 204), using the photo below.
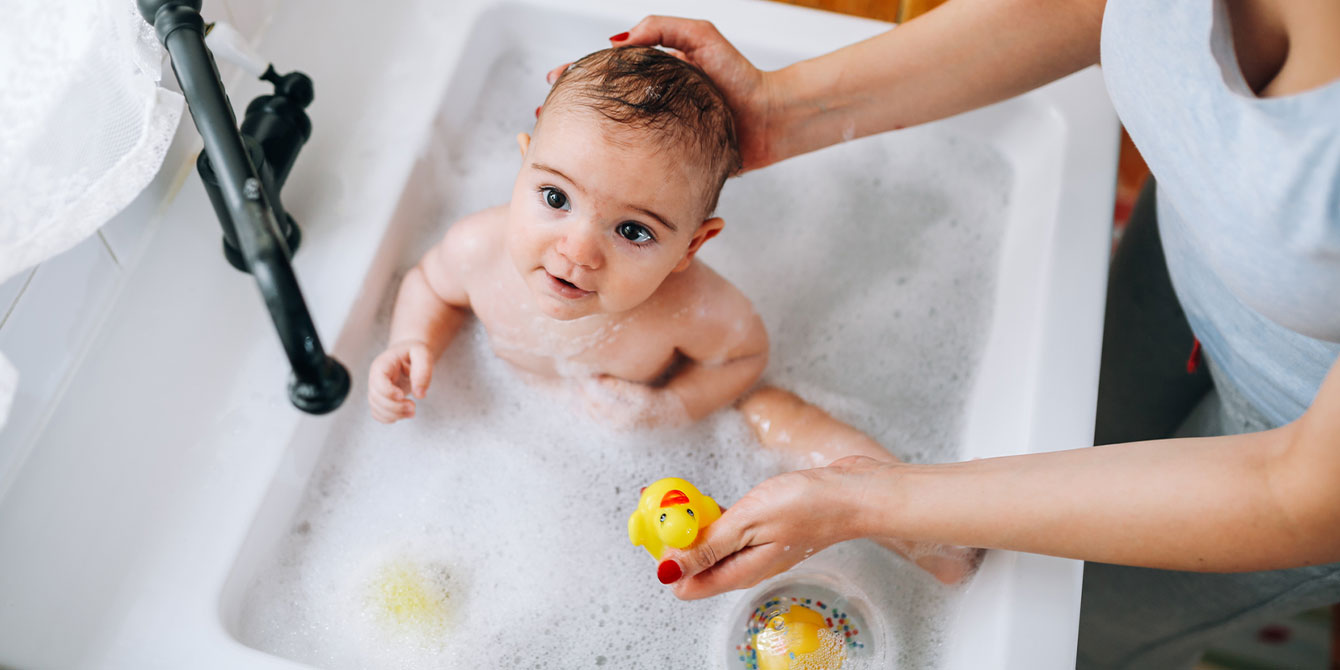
(1145, 619)
(1144, 390)
(1245, 252)
(1141, 618)
(1249, 197)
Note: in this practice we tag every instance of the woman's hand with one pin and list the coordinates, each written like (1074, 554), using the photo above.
(781, 522)
(746, 87)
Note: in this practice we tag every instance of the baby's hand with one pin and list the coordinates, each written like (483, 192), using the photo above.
(405, 366)
(627, 405)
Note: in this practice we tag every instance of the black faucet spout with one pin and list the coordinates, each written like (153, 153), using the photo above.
(260, 231)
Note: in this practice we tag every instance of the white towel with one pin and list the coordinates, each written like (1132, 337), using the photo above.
(83, 124)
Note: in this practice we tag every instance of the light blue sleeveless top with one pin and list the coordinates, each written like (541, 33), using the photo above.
(1248, 197)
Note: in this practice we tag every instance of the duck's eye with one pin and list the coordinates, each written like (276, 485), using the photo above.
(662, 517)
(689, 511)
(634, 232)
(554, 197)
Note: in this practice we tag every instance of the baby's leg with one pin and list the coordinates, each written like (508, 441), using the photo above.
(805, 434)
(810, 437)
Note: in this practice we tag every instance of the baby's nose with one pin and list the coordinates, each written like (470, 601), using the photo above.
(581, 245)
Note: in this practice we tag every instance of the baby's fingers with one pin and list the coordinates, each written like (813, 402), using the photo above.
(386, 410)
(383, 381)
(420, 370)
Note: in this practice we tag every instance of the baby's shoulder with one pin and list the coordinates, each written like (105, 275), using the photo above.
(475, 233)
(467, 250)
(708, 295)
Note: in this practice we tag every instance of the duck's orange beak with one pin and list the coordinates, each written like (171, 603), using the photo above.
(674, 497)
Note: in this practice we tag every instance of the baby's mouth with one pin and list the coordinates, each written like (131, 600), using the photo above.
(566, 288)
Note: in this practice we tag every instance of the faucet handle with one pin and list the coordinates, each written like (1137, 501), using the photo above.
(295, 86)
(324, 391)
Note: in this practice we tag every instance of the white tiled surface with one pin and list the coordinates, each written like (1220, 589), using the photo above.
(251, 17)
(45, 334)
(49, 314)
(10, 290)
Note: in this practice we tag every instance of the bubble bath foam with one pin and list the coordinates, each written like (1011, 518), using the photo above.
(490, 530)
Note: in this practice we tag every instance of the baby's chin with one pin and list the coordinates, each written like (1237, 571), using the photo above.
(568, 310)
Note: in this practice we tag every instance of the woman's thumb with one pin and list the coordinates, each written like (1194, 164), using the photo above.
(716, 542)
(685, 35)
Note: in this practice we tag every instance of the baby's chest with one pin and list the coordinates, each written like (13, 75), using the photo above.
(552, 348)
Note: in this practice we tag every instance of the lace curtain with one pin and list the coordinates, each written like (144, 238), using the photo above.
(84, 125)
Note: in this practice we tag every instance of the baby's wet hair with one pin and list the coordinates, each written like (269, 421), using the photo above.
(648, 89)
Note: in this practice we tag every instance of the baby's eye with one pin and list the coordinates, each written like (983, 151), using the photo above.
(555, 198)
(634, 232)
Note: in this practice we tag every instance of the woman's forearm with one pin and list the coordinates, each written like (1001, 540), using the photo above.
(963, 55)
(1219, 504)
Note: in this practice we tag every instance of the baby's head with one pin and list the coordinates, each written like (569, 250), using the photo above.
(617, 187)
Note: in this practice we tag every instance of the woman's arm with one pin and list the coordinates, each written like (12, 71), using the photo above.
(1243, 502)
(1256, 501)
(963, 55)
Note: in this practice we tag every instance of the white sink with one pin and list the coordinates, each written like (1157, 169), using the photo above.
(173, 468)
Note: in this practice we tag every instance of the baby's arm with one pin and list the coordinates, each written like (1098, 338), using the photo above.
(429, 310)
(721, 353)
(725, 350)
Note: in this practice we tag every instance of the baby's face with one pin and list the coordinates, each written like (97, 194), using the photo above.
(600, 215)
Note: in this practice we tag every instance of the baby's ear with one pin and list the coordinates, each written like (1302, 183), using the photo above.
(523, 141)
(709, 229)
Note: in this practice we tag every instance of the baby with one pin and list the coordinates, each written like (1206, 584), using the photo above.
(589, 273)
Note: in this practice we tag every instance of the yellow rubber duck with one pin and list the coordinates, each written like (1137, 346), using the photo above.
(798, 639)
(670, 513)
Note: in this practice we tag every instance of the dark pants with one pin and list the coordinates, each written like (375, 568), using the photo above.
(1140, 618)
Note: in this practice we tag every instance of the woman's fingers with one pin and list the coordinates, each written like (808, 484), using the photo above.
(554, 73)
(740, 570)
(777, 524)
(686, 35)
(722, 538)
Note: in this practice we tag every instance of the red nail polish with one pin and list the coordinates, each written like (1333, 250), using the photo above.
(668, 572)
(619, 38)
(537, 112)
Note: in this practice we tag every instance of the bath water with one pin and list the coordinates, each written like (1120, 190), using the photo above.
(491, 530)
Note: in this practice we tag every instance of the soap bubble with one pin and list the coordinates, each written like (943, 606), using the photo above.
(491, 529)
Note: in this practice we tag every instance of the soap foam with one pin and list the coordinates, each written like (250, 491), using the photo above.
(490, 530)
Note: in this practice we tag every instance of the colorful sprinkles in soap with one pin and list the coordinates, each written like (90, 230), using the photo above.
(839, 625)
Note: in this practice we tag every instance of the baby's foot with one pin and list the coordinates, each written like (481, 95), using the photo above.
(948, 564)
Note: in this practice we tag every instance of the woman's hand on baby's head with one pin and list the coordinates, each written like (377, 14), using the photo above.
(745, 86)
(405, 367)
(699, 42)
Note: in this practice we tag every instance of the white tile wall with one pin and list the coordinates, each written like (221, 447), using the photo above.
(49, 314)
(46, 332)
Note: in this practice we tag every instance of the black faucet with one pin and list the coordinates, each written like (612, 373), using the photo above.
(243, 172)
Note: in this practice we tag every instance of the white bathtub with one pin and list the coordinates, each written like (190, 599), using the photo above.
(173, 464)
